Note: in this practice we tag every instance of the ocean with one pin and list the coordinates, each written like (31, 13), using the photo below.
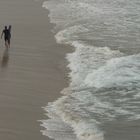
(102, 101)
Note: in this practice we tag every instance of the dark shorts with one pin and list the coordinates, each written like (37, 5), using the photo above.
(6, 38)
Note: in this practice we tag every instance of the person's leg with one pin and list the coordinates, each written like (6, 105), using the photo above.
(9, 42)
(6, 43)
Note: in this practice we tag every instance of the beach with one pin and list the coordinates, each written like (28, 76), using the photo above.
(32, 72)
(84, 87)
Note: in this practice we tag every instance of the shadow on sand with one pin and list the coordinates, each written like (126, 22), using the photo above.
(5, 58)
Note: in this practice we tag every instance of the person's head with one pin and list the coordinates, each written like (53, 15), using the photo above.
(5, 27)
(10, 26)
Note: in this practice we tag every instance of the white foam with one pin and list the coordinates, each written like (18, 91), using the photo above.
(70, 34)
(57, 130)
(83, 128)
(104, 82)
(68, 12)
(84, 111)
(86, 59)
(117, 72)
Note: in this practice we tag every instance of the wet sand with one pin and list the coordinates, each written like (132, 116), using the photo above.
(32, 71)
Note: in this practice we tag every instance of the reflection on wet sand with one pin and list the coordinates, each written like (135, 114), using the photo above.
(5, 58)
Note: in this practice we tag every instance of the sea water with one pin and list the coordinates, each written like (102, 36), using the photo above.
(102, 101)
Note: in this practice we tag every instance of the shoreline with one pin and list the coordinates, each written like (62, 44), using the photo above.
(35, 72)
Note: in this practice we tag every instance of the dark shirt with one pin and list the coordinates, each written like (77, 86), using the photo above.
(6, 33)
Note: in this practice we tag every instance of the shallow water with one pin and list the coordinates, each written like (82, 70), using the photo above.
(102, 100)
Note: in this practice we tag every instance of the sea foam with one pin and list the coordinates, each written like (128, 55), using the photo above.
(104, 82)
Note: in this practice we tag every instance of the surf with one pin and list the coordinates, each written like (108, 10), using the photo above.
(104, 67)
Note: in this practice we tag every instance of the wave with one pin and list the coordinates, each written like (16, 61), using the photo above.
(104, 87)
(104, 82)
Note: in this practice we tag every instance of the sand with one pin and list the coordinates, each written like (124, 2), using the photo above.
(32, 72)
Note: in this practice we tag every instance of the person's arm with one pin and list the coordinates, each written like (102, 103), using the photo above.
(1, 34)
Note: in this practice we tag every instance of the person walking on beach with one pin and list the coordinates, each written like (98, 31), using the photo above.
(7, 36)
